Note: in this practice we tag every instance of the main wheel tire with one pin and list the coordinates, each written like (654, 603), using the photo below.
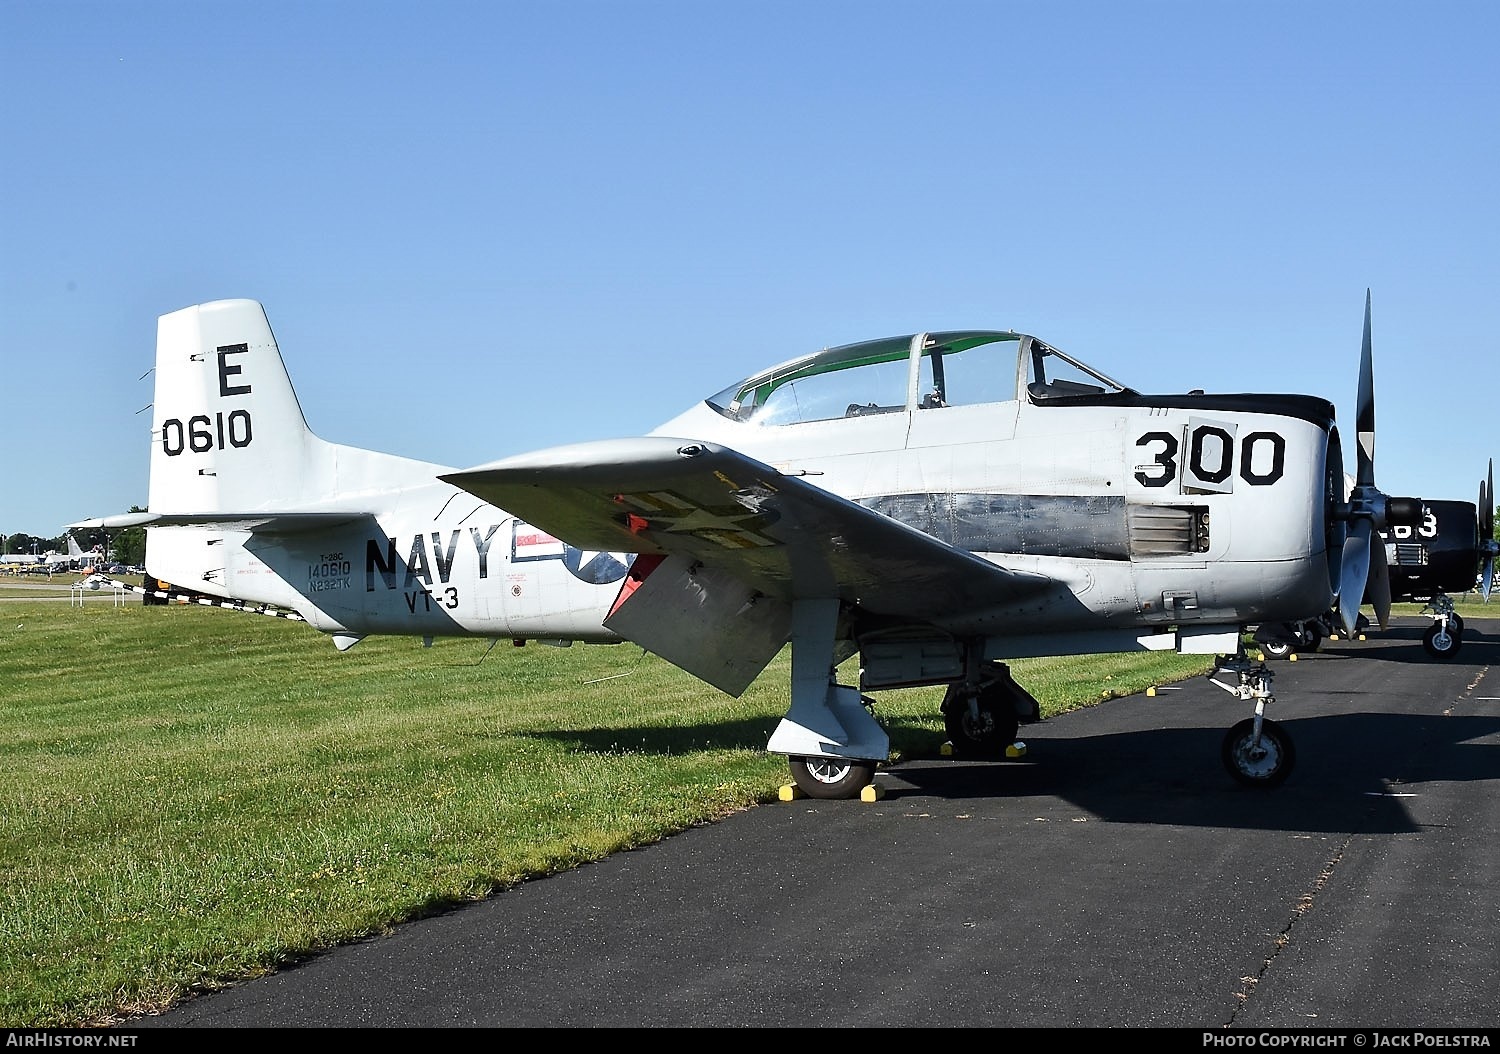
(1441, 643)
(1311, 641)
(1277, 649)
(1456, 625)
(831, 778)
(1266, 763)
(987, 735)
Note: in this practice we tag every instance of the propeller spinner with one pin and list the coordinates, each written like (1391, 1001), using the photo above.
(1363, 569)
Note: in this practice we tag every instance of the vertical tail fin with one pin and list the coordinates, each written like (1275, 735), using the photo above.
(229, 445)
(232, 459)
(228, 435)
(227, 432)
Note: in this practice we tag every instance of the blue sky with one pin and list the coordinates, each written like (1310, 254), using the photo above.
(483, 228)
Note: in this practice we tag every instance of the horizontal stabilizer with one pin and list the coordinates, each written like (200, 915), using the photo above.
(255, 522)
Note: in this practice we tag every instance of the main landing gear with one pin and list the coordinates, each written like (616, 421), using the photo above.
(830, 736)
(1284, 639)
(1256, 751)
(833, 778)
(834, 744)
(982, 722)
(828, 777)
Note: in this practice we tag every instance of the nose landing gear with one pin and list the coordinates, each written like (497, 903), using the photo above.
(1257, 751)
(1445, 636)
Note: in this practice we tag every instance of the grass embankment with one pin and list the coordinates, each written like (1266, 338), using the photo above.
(191, 796)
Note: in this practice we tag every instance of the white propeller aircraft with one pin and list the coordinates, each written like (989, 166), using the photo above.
(936, 503)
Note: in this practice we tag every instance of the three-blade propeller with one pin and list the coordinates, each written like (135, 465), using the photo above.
(1487, 544)
(1363, 568)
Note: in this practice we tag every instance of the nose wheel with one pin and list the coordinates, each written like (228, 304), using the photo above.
(1258, 757)
(1446, 634)
(1442, 640)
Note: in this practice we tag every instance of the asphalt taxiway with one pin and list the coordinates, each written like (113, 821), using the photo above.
(1114, 877)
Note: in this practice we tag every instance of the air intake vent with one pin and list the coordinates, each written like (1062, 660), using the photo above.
(1411, 554)
(1167, 530)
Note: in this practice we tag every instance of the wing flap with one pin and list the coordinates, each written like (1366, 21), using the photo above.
(702, 620)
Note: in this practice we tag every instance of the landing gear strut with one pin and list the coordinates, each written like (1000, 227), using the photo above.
(1256, 751)
(830, 736)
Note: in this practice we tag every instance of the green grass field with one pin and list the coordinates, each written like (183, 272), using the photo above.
(191, 796)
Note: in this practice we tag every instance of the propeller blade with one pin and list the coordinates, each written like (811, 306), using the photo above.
(1487, 506)
(1479, 508)
(1336, 529)
(1489, 575)
(1364, 417)
(1380, 583)
(1355, 572)
(1336, 539)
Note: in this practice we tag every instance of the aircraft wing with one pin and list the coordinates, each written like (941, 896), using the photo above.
(778, 534)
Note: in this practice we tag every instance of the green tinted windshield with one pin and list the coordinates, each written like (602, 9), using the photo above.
(875, 377)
